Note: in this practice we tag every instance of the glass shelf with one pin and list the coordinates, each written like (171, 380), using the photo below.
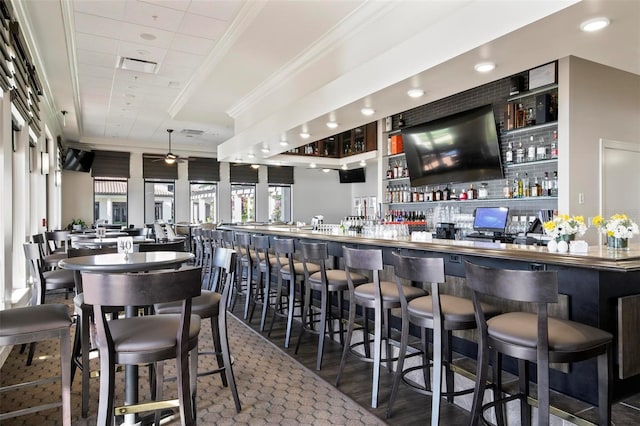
(483, 200)
(531, 163)
(533, 92)
(400, 154)
(530, 128)
(397, 179)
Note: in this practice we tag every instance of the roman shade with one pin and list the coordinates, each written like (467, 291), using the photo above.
(242, 173)
(112, 164)
(280, 175)
(204, 169)
(154, 167)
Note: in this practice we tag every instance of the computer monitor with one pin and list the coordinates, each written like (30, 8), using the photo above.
(490, 219)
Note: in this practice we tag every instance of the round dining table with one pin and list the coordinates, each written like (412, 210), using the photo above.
(121, 263)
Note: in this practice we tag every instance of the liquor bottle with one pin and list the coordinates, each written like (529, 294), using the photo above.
(535, 188)
(520, 116)
(507, 191)
(520, 153)
(401, 122)
(541, 150)
(546, 185)
(554, 185)
(439, 194)
(526, 189)
(531, 150)
(531, 117)
(517, 186)
(508, 156)
(396, 170)
(405, 171)
(390, 172)
(472, 194)
(554, 145)
(446, 194)
(483, 192)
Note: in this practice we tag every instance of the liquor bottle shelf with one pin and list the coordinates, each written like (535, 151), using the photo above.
(479, 200)
(531, 163)
(530, 128)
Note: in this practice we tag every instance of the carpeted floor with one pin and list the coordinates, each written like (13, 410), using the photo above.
(274, 388)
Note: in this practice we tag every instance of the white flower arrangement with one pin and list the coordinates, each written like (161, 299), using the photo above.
(563, 225)
(617, 226)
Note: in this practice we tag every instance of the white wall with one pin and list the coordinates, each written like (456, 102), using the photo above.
(596, 102)
(318, 193)
(77, 197)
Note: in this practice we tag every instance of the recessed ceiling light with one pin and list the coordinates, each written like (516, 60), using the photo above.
(363, 163)
(594, 24)
(312, 165)
(255, 166)
(326, 170)
(367, 111)
(265, 149)
(250, 155)
(485, 66)
(344, 167)
(284, 143)
(304, 135)
(332, 124)
(147, 36)
(415, 93)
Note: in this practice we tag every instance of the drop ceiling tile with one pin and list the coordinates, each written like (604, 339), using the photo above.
(201, 26)
(153, 15)
(96, 43)
(98, 26)
(112, 9)
(133, 78)
(173, 4)
(173, 72)
(96, 71)
(195, 45)
(89, 57)
(103, 83)
(133, 33)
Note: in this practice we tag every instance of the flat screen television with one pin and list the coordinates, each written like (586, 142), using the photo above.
(462, 147)
(490, 219)
(78, 160)
(352, 176)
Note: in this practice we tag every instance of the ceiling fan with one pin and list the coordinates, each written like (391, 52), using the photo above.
(170, 158)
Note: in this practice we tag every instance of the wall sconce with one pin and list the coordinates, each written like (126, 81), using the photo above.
(57, 178)
(44, 163)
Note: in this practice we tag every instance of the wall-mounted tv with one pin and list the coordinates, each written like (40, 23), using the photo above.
(352, 176)
(462, 147)
(78, 160)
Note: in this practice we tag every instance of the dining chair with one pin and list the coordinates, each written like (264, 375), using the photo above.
(34, 324)
(212, 304)
(382, 297)
(245, 266)
(146, 339)
(84, 318)
(50, 259)
(531, 337)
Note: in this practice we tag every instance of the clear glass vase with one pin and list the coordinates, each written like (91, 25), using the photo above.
(566, 238)
(617, 244)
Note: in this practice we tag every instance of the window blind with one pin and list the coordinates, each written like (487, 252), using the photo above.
(112, 164)
(154, 167)
(242, 173)
(204, 169)
(280, 174)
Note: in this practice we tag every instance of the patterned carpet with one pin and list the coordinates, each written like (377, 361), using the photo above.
(274, 388)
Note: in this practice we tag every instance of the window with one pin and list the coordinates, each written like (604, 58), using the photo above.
(280, 203)
(203, 200)
(159, 201)
(243, 203)
(110, 201)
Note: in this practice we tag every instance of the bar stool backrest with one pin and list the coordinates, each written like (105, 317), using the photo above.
(230, 239)
(317, 253)
(284, 248)
(363, 260)
(261, 249)
(423, 270)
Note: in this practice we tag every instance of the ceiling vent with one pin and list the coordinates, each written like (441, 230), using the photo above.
(191, 132)
(138, 65)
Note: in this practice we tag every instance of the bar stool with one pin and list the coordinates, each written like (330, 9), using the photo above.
(212, 304)
(382, 296)
(442, 313)
(328, 282)
(34, 324)
(244, 263)
(289, 270)
(532, 337)
(197, 240)
(264, 263)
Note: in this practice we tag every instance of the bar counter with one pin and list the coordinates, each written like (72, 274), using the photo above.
(600, 288)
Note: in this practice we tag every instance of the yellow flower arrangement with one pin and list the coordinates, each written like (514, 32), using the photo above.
(617, 226)
(563, 225)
